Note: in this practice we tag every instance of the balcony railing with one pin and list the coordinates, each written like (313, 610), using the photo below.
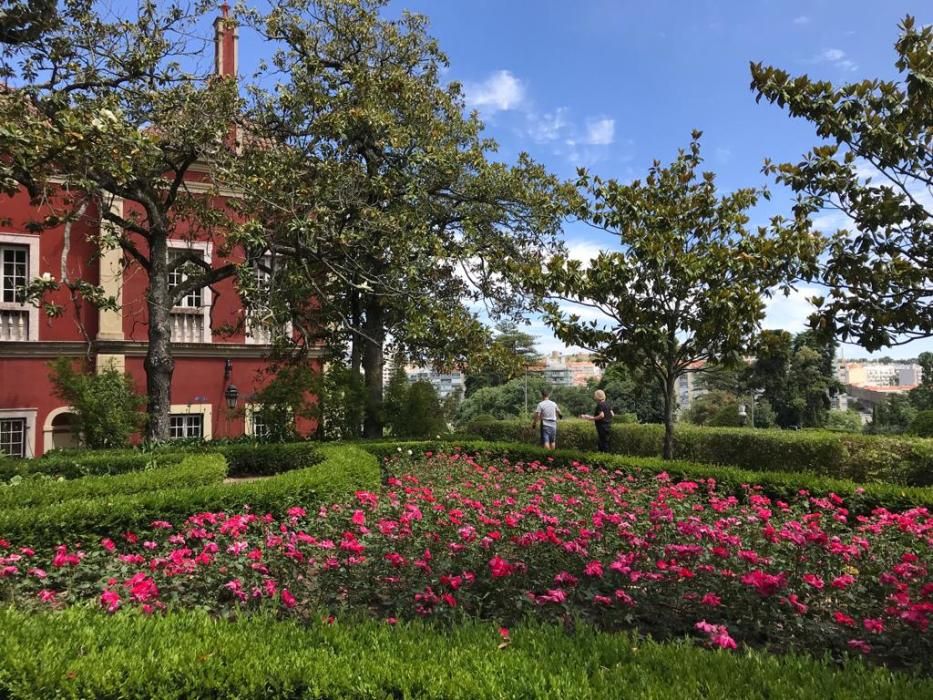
(187, 326)
(14, 324)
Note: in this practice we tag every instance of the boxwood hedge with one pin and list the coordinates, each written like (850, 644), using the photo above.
(42, 490)
(79, 653)
(863, 458)
(338, 471)
(243, 458)
(76, 464)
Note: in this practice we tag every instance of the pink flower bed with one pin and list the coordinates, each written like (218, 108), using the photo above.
(451, 536)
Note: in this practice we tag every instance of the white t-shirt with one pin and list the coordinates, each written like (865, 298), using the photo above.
(547, 409)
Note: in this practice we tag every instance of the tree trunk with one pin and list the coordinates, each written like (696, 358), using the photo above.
(159, 361)
(372, 359)
(669, 401)
(355, 339)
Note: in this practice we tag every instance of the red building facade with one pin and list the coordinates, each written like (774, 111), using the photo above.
(209, 356)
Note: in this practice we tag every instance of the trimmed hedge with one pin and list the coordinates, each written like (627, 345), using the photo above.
(76, 464)
(79, 653)
(243, 458)
(37, 491)
(339, 471)
(863, 458)
(860, 498)
(267, 459)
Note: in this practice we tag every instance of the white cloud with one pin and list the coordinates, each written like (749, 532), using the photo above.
(547, 127)
(501, 91)
(831, 221)
(832, 55)
(584, 251)
(803, 19)
(600, 132)
(837, 57)
(790, 312)
(723, 155)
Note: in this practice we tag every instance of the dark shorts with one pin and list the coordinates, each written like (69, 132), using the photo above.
(549, 433)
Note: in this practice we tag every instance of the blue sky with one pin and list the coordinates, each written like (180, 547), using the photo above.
(613, 85)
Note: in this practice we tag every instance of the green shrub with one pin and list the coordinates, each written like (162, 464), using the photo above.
(78, 463)
(422, 415)
(267, 459)
(284, 399)
(244, 458)
(922, 424)
(42, 490)
(339, 472)
(105, 402)
(80, 653)
(863, 458)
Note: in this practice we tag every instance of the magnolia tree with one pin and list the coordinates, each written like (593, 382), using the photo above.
(875, 170)
(688, 281)
(377, 197)
(100, 108)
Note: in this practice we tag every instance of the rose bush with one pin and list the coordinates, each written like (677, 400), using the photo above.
(452, 535)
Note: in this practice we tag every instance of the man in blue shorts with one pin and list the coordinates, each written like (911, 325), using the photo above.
(547, 412)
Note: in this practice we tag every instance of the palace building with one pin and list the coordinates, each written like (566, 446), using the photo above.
(211, 360)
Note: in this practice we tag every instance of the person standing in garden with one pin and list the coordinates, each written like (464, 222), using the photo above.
(602, 419)
(547, 412)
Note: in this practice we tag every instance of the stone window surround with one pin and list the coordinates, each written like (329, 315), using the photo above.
(31, 242)
(29, 414)
(204, 409)
(206, 248)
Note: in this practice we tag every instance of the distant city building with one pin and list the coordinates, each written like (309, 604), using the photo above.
(445, 383)
(688, 388)
(871, 396)
(567, 370)
(879, 374)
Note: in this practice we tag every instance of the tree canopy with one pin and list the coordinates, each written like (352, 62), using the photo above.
(874, 167)
(379, 193)
(100, 110)
(688, 280)
(508, 355)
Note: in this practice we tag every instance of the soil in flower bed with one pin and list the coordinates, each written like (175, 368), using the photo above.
(457, 535)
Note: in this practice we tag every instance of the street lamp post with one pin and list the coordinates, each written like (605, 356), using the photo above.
(747, 413)
(526, 391)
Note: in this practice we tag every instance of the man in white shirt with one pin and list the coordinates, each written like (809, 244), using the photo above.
(547, 412)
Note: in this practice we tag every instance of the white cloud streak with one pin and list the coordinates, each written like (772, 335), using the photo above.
(836, 57)
(600, 132)
(501, 91)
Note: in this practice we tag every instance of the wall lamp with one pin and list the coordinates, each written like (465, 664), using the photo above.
(231, 394)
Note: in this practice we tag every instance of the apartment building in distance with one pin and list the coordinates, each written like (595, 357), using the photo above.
(879, 374)
(445, 383)
(688, 389)
(567, 370)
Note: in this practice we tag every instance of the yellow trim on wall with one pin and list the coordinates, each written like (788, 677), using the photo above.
(205, 409)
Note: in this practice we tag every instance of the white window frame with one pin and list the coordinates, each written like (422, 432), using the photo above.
(29, 416)
(187, 421)
(250, 338)
(251, 409)
(205, 410)
(206, 249)
(31, 243)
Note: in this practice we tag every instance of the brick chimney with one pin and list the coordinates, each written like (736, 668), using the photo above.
(226, 44)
